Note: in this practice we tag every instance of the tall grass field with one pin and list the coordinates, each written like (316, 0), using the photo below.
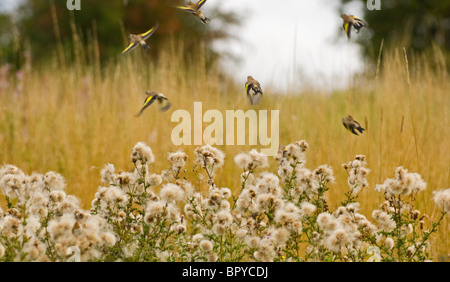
(75, 118)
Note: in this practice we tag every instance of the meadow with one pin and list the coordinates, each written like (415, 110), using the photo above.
(75, 118)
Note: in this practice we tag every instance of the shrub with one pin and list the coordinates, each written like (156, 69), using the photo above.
(144, 216)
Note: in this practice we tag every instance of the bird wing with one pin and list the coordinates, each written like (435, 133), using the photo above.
(352, 126)
(359, 20)
(248, 87)
(165, 105)
(358, 23)
(147, 102)
(348, 28)
(149, 33)
(130, 47)
(359, 127)
(200, 3)
(257, 88)
(185, 8)
(346, 124)
(164, 102)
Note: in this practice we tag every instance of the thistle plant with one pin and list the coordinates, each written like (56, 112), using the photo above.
(143, 215)
(402, 235)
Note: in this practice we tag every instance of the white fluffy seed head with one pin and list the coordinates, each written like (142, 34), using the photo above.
(142, 153)
(171, 193)
(442, 199)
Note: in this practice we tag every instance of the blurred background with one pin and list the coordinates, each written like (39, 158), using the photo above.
(290, 44)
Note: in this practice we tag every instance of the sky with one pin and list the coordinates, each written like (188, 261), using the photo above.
(293, 44)
(8, 5)
(288, 46)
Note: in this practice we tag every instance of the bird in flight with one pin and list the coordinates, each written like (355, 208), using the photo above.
(352, 125)
(139, 39)
(352, 21)
(253, 90)
(153, 96)
(194, 9)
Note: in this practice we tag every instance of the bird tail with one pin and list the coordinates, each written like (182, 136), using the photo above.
(257, 98)
(146, 46)
(205, 20)
(347, 27)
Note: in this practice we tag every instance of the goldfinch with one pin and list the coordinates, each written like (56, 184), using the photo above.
(253, 90)
(153, 96)
(349, 21)
(352, 125)
(139, 39)
(194, 9)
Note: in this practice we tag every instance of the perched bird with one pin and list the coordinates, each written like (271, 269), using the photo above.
(253, 89)
(349, 21)
(139, 39)
(152, 96)
(352, 125)
(194, 9)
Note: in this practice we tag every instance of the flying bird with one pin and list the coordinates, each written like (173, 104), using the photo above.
(352, 125)
(139, 39)
(349, 21)
(194, 9)
(153, 96)
(253, 90)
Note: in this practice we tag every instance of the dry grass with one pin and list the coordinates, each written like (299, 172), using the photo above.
(74, 119)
